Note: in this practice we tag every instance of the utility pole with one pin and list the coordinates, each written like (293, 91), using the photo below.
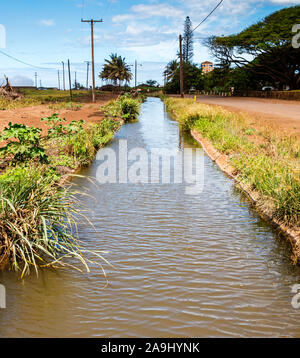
(35, 76)
(58, 77)
(87, 74)
(181, 67)
(70, 83)
(92, 45)
(64, 80)
(180, 47)
(135, 72)
(75, 80)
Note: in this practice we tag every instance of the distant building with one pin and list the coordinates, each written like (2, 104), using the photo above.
(207, 66)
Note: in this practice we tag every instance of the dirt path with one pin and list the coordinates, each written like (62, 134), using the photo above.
(284, 115)
(31, 116)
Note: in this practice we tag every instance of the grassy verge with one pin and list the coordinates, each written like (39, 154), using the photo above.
(70, 106)
(33, 97)
(266, 161)
(39, 215)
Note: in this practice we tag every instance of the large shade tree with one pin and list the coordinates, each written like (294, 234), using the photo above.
(264, 48)
(116, 70)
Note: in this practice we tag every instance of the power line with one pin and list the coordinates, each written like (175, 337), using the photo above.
(109, 4)
(214, 9)
(25, 63)
(180, 47)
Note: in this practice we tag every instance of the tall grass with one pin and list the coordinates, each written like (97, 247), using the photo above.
(82, 146)
(124, 107)
(71, 106)
(265, 159)
(6, 103)
(38, 221)
(38, 216)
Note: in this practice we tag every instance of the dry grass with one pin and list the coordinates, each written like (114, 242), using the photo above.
(265, 159)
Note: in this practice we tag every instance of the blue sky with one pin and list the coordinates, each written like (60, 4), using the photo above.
(44, 33)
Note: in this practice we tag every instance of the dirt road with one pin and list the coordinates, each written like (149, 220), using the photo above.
(279, 113)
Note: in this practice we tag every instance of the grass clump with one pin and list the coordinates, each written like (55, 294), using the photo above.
(124, 107)
(37, 220)
(266, 160)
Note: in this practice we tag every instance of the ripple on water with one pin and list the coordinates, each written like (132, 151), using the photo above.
(188, 266)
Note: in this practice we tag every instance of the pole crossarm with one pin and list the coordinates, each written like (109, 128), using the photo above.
(92, 20)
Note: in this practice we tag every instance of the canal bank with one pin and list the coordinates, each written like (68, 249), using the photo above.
(260, 162)
(38, 218)
(185, 265)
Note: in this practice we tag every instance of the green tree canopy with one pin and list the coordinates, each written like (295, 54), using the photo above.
(116, 69)
(151, 83)
(265, 48)
(170, 70)
(192, 78)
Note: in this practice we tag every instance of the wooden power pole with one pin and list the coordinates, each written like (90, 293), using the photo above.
(58, 77)
(64, 79)
(87, 74)
(92, 45)
(181, 67)
(136, 64)
(70, 82)
(135, 73)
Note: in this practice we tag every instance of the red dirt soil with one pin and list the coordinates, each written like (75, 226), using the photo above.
(31, 116)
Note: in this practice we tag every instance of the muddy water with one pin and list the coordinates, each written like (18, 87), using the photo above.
(202, 265)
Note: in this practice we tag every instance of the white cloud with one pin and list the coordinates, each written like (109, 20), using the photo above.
(143, 11)
(86, 41)
(47, 22)
(150, 31)
(137, 29)
(285, 2)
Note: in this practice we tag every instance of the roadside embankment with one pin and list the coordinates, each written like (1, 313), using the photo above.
(263, 162)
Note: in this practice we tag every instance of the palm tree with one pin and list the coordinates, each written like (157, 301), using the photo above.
(170, 70)
(116, 69)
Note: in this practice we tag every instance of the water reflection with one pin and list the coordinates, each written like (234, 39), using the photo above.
(203, 265)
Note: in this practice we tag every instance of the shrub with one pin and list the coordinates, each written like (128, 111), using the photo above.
(82, 144)
(129, 108)
(55, 124)
(74, 127)
(23, 143)
(57, 129)
(124, 107)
